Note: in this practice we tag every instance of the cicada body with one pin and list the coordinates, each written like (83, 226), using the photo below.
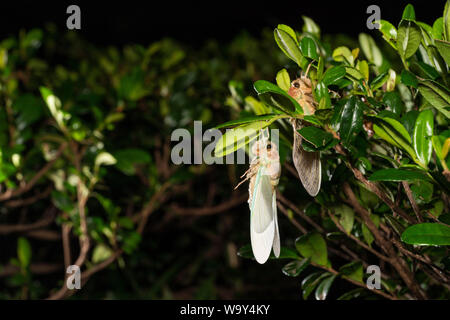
(264, 174)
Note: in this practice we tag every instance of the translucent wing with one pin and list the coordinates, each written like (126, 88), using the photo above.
(276, 238)
(262, 225)
(307, 164)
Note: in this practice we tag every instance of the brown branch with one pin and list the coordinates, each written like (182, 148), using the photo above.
(16, 192)
(203, 211)
(28, 201)
(294, 222)
(299, 212)
(359, 284)
(45, 221)
(359, 242)
(412, 201)
(400, 266)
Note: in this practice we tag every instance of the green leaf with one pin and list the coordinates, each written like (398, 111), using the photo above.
(324, 287)
(394, 133)
(288, 30)
(409, 79)
(283, 80)
(351, 120)
(333, 74)
(104, 159)
(423, 131)
(343, 54)
(309, 48)
(101, 253)
(54, 105)
(389, 32)
(256, 106)
(427, 234)
(128, 158)
(438, 28)
(313, 246)
(446, 22)
(310, 26)
(310, 282)
(408, 38)
(409, 13)
(294, 268)
(379, 81)
(23, 252)
(444, 49)
(290, 47)
(370, 49)
(367, 234)
(346, 217)
(318, 137)
(246, 120)
(352, 294)
(275, 97)
(397, 175)
(437, 95)
(352, 270)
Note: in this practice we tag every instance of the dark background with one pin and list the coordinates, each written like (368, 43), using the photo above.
(120, 22)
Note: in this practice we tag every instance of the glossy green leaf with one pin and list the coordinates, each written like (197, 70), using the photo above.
(283, 79)
(290, 47)
(437, 95)
(397, 175)
(246, 120)
(409, 79)
(343, 54)
(275, 97)
(346, 217)
(446, 22)
(310, 282)
(324, 287)
(294, 268)
(408, 38)
(379, 81)
(288, 30)
(444, 49)
(351, 119)
(238, 137)
(313, 246)
(333, 74)
(438, 28)
(394, 133)
(409, 13)
(309, 48)
(423, 131)
(318, 137)
(433, 234)
(352, 270)
(310, 26)
(389, 32)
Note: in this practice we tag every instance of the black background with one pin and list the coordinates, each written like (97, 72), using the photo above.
(121, 22)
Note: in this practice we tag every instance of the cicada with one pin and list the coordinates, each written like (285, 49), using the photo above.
(264, 174)
(306, 163)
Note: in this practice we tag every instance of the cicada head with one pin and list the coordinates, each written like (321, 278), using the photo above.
(301, 91)
(265, 149)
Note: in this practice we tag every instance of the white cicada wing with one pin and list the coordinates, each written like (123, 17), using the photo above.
(276, 238)
(262, 224)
